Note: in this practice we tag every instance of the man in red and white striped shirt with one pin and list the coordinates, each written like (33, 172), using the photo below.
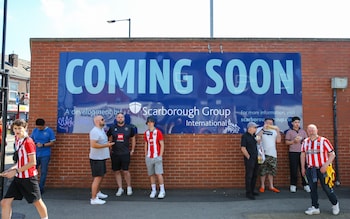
(25, 183)
(318, 153)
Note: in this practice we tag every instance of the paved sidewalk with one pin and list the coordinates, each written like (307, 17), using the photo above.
(183, 204)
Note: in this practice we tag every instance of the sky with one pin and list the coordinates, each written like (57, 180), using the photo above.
(171, 18)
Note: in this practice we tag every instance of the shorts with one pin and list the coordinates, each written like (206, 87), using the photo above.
(24, 187)
(269, 166)
(154, 165)
(120, 161)
(98, 167)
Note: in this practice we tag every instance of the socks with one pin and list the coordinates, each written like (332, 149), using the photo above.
(154, 187)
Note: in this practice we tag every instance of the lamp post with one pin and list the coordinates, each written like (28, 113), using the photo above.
(128, 19)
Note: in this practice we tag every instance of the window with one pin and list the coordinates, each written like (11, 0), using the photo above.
(13, 92)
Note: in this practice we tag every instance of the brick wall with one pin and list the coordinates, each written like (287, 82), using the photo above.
(194, 160)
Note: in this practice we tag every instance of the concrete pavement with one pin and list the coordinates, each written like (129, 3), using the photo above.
(182, 203)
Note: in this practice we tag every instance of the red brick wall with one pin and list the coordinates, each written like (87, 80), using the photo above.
(194, 160)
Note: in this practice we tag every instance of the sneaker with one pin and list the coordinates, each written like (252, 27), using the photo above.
(119, 192)
(293, 189)
(101, 195)
(97, 201)
(335, 209)
(161, 195)
(307, 188)
(312, 210)
(129, 190)
(153, 194)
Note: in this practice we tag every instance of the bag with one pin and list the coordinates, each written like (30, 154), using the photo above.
(15, 154)
(261, 154)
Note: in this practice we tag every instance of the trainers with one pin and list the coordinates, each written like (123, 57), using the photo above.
(312, 210)
(307, 188)
(97, 201)
(129, 190)
(153, 194)
(293, 188)
(335, 209)
(161, 195)
(101, 195)
(119, 192)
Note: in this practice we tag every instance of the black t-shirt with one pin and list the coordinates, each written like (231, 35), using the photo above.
(249, 142)
(121, 136)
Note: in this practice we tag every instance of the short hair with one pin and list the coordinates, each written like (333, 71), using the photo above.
(20, 123)
(270, 119)
(295, 118)
(40, 122)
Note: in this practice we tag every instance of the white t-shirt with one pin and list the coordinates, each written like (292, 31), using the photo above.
(99, 135)
(268, 141)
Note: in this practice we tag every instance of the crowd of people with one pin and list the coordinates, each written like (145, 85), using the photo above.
(310, 159)
(310, 156)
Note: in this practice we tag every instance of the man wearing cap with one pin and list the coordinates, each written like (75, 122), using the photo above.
(294, 138)
(250, 152)
(154, 149)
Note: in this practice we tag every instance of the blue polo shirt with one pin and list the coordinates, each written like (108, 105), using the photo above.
(43, 136)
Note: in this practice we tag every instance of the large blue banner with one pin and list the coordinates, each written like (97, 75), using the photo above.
(185, 92)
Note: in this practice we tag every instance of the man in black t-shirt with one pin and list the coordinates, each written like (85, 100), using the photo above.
(122, 134)
(250, 152)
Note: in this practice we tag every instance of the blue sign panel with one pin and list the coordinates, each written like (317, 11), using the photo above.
(186, 92)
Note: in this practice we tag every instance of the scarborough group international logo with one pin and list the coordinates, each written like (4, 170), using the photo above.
(135, 107)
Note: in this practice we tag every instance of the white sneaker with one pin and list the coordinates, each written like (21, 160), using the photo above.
(335, 209)
(119, 192)
(307, 188)
(161, 195)
(97, 201)
(153, 194)
(293, 188)
(312, 210)
(129, 190)
(101, 195)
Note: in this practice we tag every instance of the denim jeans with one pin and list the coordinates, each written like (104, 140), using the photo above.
(43, 164)
(313, 175)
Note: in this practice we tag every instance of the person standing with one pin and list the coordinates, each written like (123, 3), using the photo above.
(317, 153)
(99, 153)
(294, 137)
(122, 134)
(44, 138)
(270, 135)
(25, 183)
(250, 152)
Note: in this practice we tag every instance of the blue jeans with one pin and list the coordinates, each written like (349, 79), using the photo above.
(313, 175)
(43, 164)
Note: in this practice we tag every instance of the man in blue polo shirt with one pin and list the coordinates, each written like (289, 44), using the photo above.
(44, 138)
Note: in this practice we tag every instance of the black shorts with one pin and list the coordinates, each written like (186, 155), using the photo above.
(98, 167)
(26, 187)
(120, 162)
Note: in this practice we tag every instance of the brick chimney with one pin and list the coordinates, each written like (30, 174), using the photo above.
(13, 60)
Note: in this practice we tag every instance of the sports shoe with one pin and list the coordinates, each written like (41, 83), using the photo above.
(97, 201)
(153, 194)
(312, 210)
(129, 190)
(161, 195)
(335, 209)
(101, 195)
(307, 188)
(293, 188)
(119, 192)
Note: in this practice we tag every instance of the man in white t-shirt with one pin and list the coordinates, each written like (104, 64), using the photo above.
(270, 135)
(99, 153)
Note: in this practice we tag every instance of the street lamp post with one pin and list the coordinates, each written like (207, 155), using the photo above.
(128, 19)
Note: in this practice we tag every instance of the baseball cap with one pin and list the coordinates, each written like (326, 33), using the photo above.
(252, 124)
(150, 119)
